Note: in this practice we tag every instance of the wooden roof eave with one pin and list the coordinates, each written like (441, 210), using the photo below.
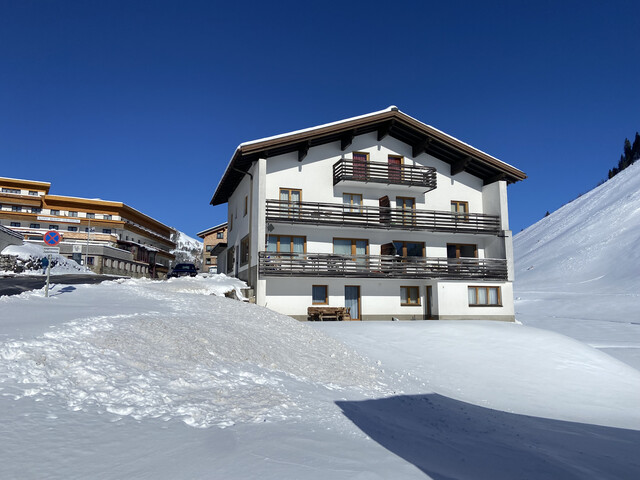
(390, 122)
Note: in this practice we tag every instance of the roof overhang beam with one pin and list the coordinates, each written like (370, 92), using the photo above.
(384, 129)
(495, 178)
(420, 147)
(460, 166)
(347, 139)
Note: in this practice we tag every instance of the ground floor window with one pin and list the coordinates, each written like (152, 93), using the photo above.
(90, 261)
(484, 296)
(15, 224)
(409, 296)
(244, 250)
(320, 294)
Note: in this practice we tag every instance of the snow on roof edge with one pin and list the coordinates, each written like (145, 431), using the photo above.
(324, 125)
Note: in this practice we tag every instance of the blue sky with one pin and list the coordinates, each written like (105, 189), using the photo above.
(145, 102)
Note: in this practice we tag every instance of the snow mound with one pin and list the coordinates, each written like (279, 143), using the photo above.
(191, 355)
(30, 254)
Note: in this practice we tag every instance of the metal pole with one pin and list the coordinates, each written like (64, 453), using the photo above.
(86, 256)
(46, 288)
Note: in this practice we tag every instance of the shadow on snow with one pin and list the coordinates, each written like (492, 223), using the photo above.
(448, 439)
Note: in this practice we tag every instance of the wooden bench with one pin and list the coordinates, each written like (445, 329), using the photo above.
(328, 313)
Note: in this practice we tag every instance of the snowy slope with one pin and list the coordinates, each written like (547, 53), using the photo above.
(173, 380)
(187, 249)
(577, 270)
(593, 239)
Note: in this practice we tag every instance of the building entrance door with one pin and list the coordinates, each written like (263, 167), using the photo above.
(428, 305)
(352, 300)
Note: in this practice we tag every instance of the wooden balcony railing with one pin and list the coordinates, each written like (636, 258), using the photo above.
(379, 266)
(380, 172)
(343, 215)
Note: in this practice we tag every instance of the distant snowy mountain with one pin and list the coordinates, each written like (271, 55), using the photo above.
(187, 249)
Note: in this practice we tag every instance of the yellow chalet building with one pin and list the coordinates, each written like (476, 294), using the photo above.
(108, 237)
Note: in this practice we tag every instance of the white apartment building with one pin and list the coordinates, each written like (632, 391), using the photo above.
(379, 213)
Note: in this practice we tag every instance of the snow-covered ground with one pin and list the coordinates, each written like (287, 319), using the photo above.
(170, 379)
(578, 270)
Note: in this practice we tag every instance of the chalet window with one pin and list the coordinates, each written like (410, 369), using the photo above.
(360, 166)
(15, 208)
(460, 250)
(209, 248)
(55, 212)
(91, 215)
(220, 235)
(36, 210)
(244, 250)
(72, 229)
(231, 259)
(106, 230)
(286, 244)
(484, 297)
(106, 216)
(10, 190)
(408, 207)
(395, 168)
(53, 227)
(33, 193)
(291, 199)
(34, 225)
(350, 246)
(354, 200)
(15, 224)
(208, 261)
(409, 249)
(319, 294)
(72, 214)
(460, 209)
(409, 296)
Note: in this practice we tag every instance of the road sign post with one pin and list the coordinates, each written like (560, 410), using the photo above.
(51, 239)
(46, 288)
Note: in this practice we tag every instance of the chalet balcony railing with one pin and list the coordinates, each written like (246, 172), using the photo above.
(273, 264)
(380, 172)
(360, 216)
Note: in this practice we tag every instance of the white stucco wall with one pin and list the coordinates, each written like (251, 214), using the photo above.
(380, 297)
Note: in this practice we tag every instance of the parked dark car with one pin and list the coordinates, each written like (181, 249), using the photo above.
(182, 270)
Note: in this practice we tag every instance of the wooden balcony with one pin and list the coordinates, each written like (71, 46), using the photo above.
(359, 216)
(388, 174)
(380, 266)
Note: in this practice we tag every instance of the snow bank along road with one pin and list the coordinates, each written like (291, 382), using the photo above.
(143, 379)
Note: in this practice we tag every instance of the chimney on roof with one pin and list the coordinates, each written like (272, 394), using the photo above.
(393, 108)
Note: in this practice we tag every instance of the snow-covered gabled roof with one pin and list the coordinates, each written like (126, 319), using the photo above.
(390, 121)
